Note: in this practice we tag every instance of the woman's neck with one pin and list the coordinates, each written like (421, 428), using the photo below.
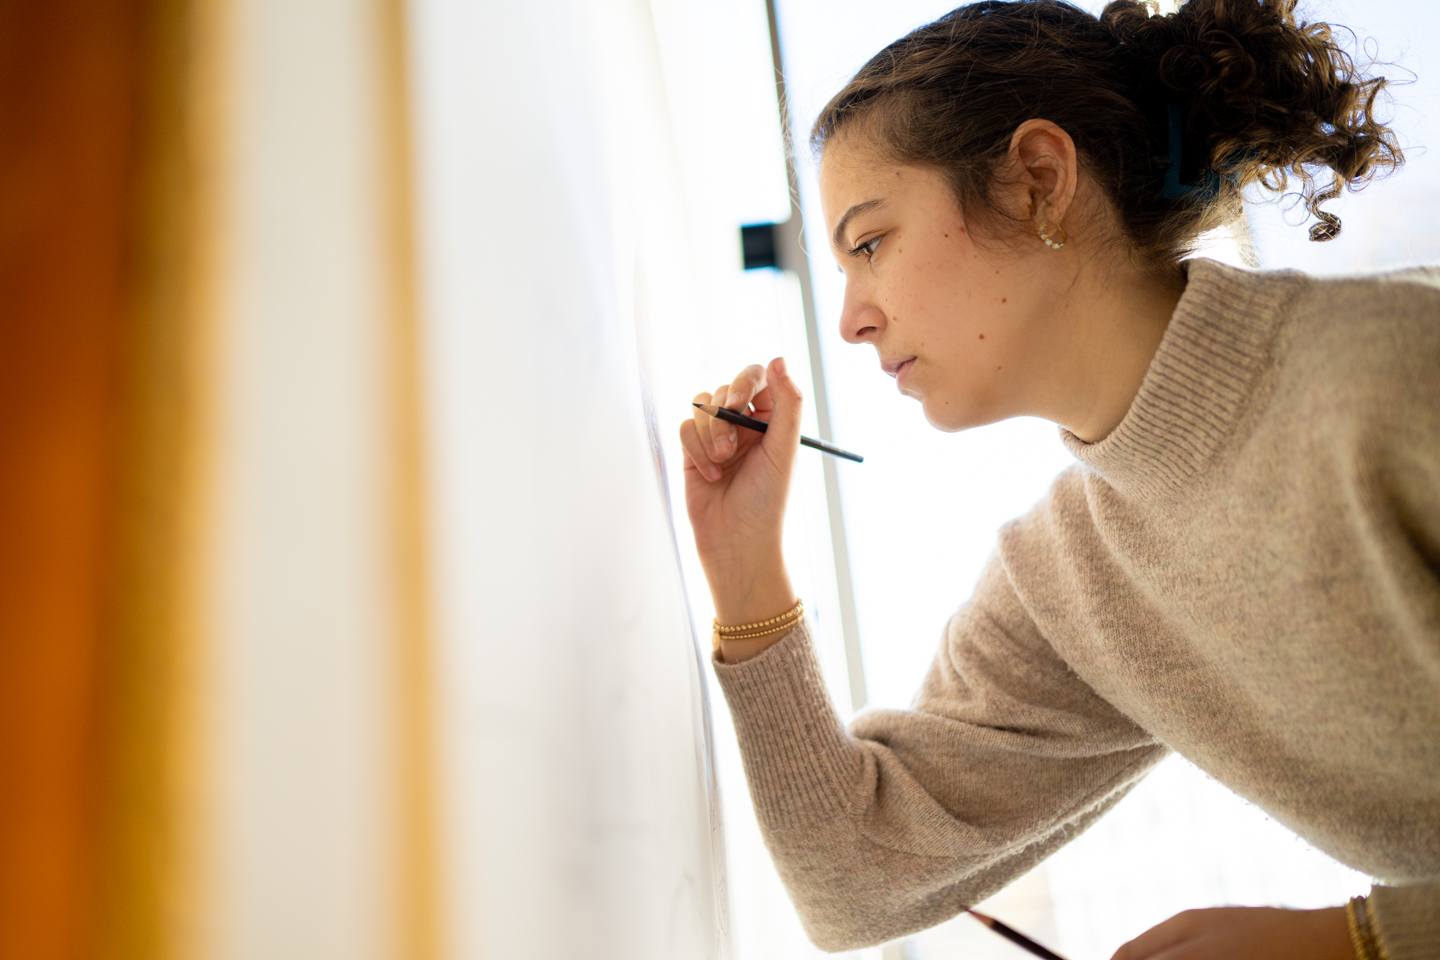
(1111, 322)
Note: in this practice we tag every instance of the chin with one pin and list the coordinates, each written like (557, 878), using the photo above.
(947, 418)
(952, 417)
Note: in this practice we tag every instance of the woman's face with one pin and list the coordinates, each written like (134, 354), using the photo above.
(961, 326)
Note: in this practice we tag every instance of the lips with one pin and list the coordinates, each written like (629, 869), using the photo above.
(894, 367)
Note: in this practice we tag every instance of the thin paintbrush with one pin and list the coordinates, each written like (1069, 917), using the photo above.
(740, 420)
(1014, 936)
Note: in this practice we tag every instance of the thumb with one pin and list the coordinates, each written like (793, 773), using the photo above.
(789, 401)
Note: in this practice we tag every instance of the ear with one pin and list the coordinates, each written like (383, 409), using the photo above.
(1043, 158)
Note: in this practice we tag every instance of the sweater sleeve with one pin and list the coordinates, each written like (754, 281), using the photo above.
(898, 823)
(1405, 420)
(1407, 920)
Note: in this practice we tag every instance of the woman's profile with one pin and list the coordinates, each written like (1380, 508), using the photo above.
(1244, 564)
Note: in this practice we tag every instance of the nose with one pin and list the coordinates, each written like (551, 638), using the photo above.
(861, 320)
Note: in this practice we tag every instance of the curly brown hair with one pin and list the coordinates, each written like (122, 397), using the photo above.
(1255, 96)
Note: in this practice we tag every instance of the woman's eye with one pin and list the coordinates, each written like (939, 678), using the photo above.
(867, 249)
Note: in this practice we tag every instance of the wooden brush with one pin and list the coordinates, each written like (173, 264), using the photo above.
(1014, 936)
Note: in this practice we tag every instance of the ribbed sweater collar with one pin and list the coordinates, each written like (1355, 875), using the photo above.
(1213, 354)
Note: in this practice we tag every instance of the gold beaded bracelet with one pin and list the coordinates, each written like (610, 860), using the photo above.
(751, 631)
(779, 628)
(1362, 931)
(793, 613)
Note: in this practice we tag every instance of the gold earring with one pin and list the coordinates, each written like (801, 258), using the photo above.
(1045, 235)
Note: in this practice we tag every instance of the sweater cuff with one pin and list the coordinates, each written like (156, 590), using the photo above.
(1407, 921)
(799, 761)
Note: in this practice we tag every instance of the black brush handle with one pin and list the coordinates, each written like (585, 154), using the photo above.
(1020, 940)
(831, 449)
(739, 419)
(760, 426)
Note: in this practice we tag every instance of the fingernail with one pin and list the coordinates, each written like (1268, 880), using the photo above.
(722, 444)
(780, 366)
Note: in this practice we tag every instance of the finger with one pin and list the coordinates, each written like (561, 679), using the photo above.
(705, 427)
(695, 455)
(723, 437)
(763, 403)
(745, 386)
(748, 383)
(786, 402)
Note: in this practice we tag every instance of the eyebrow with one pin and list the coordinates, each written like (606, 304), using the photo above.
(855, 211)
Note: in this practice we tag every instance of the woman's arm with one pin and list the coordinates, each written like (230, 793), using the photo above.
(899, 822)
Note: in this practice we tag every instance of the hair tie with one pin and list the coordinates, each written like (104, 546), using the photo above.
(1209, 187)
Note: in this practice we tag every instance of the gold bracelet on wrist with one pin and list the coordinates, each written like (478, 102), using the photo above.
(794, 613)
(759, 633)
(1357, 940)
(1377, 944)
(764, 628)
(1362, 930)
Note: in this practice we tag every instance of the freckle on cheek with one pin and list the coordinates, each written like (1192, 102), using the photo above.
(1003, 300)
(982, 336)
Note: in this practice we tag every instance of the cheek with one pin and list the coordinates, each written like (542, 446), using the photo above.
(949, 271)
(924, 291)
(948, 313)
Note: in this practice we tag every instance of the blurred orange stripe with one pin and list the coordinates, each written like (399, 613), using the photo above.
(68, 71)
(96, 264)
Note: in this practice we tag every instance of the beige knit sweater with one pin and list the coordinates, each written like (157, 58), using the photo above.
(1246, 571)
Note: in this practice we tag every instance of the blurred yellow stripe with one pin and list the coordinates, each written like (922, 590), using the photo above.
(418, 834)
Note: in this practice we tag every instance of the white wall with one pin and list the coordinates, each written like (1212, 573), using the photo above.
(578, 813)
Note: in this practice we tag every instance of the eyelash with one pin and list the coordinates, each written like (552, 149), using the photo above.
(867, 249)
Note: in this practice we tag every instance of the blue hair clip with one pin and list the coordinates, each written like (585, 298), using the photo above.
(1174, 189)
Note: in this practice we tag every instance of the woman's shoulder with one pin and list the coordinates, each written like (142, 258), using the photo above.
(1402, 296)
(1411, 292)
(1391, 305)
(1336, 333)
(1368, 335)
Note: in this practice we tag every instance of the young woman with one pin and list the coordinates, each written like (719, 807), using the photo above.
(1243, 567)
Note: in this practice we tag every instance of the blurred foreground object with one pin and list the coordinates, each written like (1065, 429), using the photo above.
(212, 737)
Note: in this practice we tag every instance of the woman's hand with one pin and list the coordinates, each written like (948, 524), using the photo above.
(736, 483)
(1245, 933)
